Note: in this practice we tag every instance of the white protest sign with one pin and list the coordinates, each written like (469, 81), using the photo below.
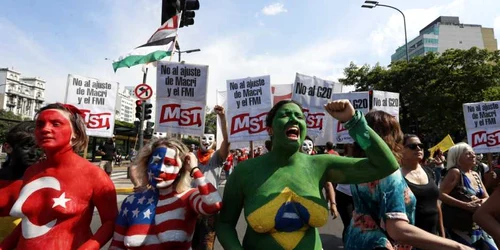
(281, 92)
(360, 101)
(181, 98)
(248, 101)
(97, 100)
(482, 121)
(313, 93)
(386, 101)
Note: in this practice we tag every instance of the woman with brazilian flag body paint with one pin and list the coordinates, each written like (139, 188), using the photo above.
(280, 191)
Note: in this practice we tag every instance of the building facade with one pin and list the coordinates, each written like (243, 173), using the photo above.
(446, 32)
(23, 96)
(125, 105)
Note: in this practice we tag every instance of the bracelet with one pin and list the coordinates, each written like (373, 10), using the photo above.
(333, 203)
(192, 171)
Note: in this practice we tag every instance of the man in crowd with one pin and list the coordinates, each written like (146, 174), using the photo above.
(108, 151)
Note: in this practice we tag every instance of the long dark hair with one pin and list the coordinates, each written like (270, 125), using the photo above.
(388, 128)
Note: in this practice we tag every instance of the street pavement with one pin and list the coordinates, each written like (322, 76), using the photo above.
(331, 233)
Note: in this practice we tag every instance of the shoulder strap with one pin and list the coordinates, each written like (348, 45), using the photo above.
(373, 215)
(429, 172)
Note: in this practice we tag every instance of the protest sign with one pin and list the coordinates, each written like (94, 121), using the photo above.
(386, 101)
(482, 121)
(281, 92)
(313, 93)
(181, 98)
(248, 101)
(97, 100)
(360, 101)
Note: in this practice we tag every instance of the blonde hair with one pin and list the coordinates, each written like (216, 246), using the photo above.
(140, 176)
(455, 152)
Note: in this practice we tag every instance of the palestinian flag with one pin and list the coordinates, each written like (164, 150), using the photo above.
(159, 46)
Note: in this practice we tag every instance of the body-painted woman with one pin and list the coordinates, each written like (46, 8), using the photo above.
(22, 152)
(164, 216)
(280, 191)
(58, 195)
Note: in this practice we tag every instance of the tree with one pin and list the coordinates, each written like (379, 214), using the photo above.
(7, 121)
(210, 122)
(434, 87)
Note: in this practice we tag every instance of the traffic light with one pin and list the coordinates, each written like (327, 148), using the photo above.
(137, 126)
(169, 8)
(148, 131)
(138, 109)
(188, 7)
(148, 111)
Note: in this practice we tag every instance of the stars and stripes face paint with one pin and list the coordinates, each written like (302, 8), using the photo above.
(207, 141)
(163, 167)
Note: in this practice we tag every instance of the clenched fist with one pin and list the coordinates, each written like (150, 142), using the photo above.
(341, 110)
(219, 110)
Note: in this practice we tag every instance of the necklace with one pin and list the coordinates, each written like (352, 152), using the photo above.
(417, 176)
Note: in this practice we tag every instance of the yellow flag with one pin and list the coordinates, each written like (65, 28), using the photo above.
(444, 145)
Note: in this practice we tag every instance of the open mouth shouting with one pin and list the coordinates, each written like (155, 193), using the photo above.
(293, 133)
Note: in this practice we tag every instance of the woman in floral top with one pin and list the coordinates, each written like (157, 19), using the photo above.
(384, 209)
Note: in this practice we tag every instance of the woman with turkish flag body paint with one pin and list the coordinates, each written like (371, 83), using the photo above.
(58, 195)
(210, 163)
(164, 215)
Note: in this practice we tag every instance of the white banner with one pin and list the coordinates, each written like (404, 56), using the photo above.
(360, 101)
(181, 98)
(281, 92)
(386, 101)
(312, 93)
(248, 101)
(482, 121)
(97, 100)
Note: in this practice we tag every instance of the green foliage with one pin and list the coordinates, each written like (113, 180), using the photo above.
(7, 121)
(189, 141)
(124, 124)
(433, 87)
(210, 122)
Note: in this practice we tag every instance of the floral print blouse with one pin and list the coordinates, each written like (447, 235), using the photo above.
(388, 198)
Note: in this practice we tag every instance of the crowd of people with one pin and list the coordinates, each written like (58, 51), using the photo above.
(384, 191)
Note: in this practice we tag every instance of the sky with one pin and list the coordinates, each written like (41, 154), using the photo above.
(237, 38)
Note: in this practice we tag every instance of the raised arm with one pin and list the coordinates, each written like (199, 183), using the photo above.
(206, 200)
(380, 161)
(230, 213)
(104, 198)
(224, 146)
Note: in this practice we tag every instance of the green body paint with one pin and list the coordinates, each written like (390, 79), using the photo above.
(280, 191)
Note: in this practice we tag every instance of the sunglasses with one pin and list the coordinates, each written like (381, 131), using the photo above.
(414, 146)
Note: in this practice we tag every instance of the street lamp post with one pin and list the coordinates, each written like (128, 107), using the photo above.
(373, 4)
(187, 52)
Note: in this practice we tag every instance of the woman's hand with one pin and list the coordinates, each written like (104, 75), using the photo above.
(333, 211)
(341, 110)
(190, 162)
(473, 205)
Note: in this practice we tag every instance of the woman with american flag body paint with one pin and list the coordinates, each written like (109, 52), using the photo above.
(164, 216)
